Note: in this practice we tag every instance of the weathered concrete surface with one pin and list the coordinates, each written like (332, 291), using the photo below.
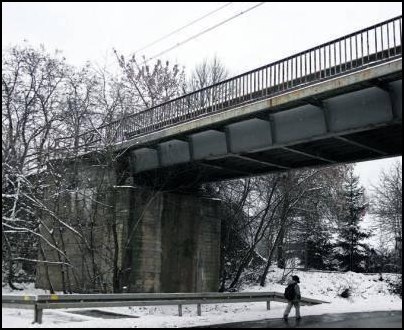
(145, 159)
(144, 240)
(396, 93)
(208, 144)
(370, 106)
(175, 245)
(143, 249)
(249, 135)
(174, 152)
(90, 214)
(191, 240)
(300, 123)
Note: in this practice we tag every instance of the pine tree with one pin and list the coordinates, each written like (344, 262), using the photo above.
(351, 251)
(319, 249)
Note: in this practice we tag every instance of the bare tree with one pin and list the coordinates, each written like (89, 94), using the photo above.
(32, 89)
(387, 207)
(151, 85)
(267, 216)
(207, 73)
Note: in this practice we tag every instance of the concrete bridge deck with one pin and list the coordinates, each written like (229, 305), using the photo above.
(350, 118)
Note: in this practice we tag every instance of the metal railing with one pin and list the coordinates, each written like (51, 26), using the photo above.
(41, 302)
(356, 51)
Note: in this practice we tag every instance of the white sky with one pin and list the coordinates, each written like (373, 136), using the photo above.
(88, 31)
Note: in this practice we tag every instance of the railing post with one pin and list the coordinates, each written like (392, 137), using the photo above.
(268, 305)
(38, 312)
(179, 310)
(199, 311)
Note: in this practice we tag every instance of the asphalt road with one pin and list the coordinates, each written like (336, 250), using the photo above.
(392, 319)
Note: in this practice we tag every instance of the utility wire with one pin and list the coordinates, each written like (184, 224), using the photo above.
(183, 27)
(202, 32)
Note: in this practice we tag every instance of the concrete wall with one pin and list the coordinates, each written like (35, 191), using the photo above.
(143, 252)
(88, 228)
(159, 242)
(175, 245)
(191, 240)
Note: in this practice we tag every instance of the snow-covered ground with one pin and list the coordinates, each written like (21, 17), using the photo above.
(368, 294)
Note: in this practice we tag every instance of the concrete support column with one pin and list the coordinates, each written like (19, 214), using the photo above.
(144, 236)
(176, 244)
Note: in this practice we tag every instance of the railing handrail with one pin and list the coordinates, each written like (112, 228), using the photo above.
(124, 296)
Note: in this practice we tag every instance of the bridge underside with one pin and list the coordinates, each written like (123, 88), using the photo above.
(358, 120)
(354, 147)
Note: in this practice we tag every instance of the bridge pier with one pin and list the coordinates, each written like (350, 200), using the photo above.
(175, 246)
(103, 237)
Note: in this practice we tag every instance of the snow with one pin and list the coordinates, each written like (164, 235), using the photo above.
(368, 294)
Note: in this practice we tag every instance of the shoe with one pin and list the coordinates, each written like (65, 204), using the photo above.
(285, 318)
(298, 318)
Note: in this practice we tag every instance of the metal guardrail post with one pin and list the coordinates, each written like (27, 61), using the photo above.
(179, 310)
(38, 313)
(268, 305)
(199, 311)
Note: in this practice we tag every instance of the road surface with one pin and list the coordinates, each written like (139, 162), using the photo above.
(392, 319)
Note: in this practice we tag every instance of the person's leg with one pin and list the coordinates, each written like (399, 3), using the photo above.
(297, 307)
(287, 310)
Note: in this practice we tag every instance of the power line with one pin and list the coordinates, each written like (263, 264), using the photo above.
(183, 27)
(202, 32)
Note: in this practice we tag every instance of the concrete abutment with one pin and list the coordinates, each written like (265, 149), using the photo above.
(134, 238)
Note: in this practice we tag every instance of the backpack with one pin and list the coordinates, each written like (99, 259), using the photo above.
(290, 292)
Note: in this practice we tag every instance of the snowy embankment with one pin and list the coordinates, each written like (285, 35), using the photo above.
(368, 293)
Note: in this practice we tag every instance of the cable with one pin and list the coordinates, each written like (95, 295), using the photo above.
(183, 27)
(201, 33)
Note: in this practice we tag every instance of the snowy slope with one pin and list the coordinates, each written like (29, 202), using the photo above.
(368, 294)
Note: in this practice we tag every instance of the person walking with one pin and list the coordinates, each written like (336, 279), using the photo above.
(292, 294)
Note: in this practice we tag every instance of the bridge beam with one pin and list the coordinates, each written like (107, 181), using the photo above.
(174, 152)
(301, 123)
(396, 94)
(359, 109)
(208, 145)
(248, 136)
(361, 145)
(144, 159)
(261, 162)
(310, 155)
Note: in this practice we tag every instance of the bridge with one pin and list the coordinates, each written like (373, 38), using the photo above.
(338, 102)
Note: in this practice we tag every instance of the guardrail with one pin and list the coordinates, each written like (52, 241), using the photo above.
(368, 47)
(41, 302)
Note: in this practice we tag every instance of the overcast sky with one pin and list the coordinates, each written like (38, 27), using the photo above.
(89, 31)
